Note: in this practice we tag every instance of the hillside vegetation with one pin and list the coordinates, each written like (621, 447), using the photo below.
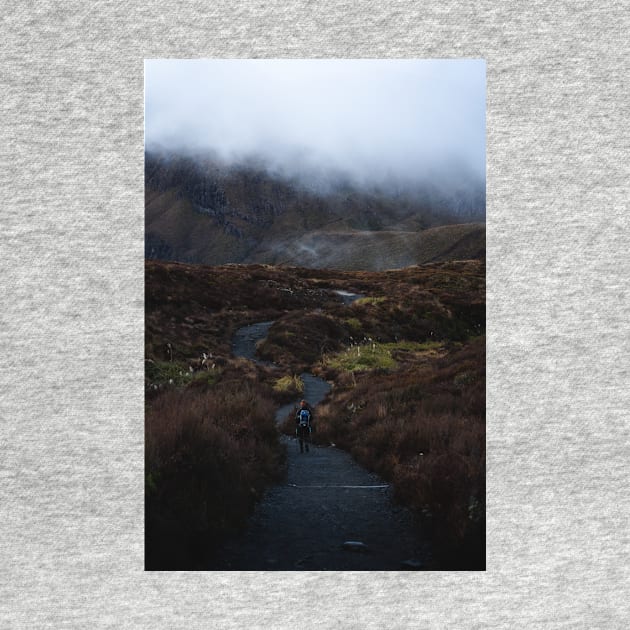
(418, 420)
(210, 452)
(407, 365)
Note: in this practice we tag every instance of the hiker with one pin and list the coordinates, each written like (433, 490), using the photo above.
(303, 420)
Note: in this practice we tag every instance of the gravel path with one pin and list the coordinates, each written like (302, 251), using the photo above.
(326, 501)
(329, 513)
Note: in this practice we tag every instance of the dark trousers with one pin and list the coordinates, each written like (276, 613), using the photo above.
(304, 437)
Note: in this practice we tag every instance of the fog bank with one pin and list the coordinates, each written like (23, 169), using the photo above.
(378, 122)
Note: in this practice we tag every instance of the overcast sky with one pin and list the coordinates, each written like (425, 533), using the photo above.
(401, 118)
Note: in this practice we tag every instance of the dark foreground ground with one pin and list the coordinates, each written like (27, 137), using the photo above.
(303, 523)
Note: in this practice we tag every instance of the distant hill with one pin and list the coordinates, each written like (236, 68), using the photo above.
(201, 211)
(376, 251)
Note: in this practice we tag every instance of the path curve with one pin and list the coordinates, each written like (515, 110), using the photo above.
(326, 502)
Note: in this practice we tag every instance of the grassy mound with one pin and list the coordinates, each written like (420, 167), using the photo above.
(288, 387)
(378, 356)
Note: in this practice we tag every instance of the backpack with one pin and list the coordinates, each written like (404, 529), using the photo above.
(305, 417)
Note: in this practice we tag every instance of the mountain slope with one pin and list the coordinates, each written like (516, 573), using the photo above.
(375, 251)
(203, 212)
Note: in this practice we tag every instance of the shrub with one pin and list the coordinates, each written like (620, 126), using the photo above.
(423, 429)
(209, 455)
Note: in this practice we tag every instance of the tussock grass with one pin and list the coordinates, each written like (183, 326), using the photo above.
(289, 386)
(364, 357)
(210, 452)
(376, 356)
(423, 429)
(369, 300)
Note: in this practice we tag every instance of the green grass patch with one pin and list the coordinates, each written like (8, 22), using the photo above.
(375, 355)
(413, 346)
(172, 373)
(289, 384)
(166, 372)
(354, 324)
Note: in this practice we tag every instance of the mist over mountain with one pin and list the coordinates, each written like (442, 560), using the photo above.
(376, 121)
(200, 209)
(313, 162)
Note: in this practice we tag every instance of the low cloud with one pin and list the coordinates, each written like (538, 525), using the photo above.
(377, 122)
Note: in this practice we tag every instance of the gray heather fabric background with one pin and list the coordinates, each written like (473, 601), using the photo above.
(71, 335)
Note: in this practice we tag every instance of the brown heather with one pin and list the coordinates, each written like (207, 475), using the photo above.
(210, 452)
(419, 421)
(422, 429)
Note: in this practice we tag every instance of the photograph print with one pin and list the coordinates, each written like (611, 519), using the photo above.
(315, 291)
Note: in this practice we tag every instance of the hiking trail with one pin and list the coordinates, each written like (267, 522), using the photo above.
(328, 514)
